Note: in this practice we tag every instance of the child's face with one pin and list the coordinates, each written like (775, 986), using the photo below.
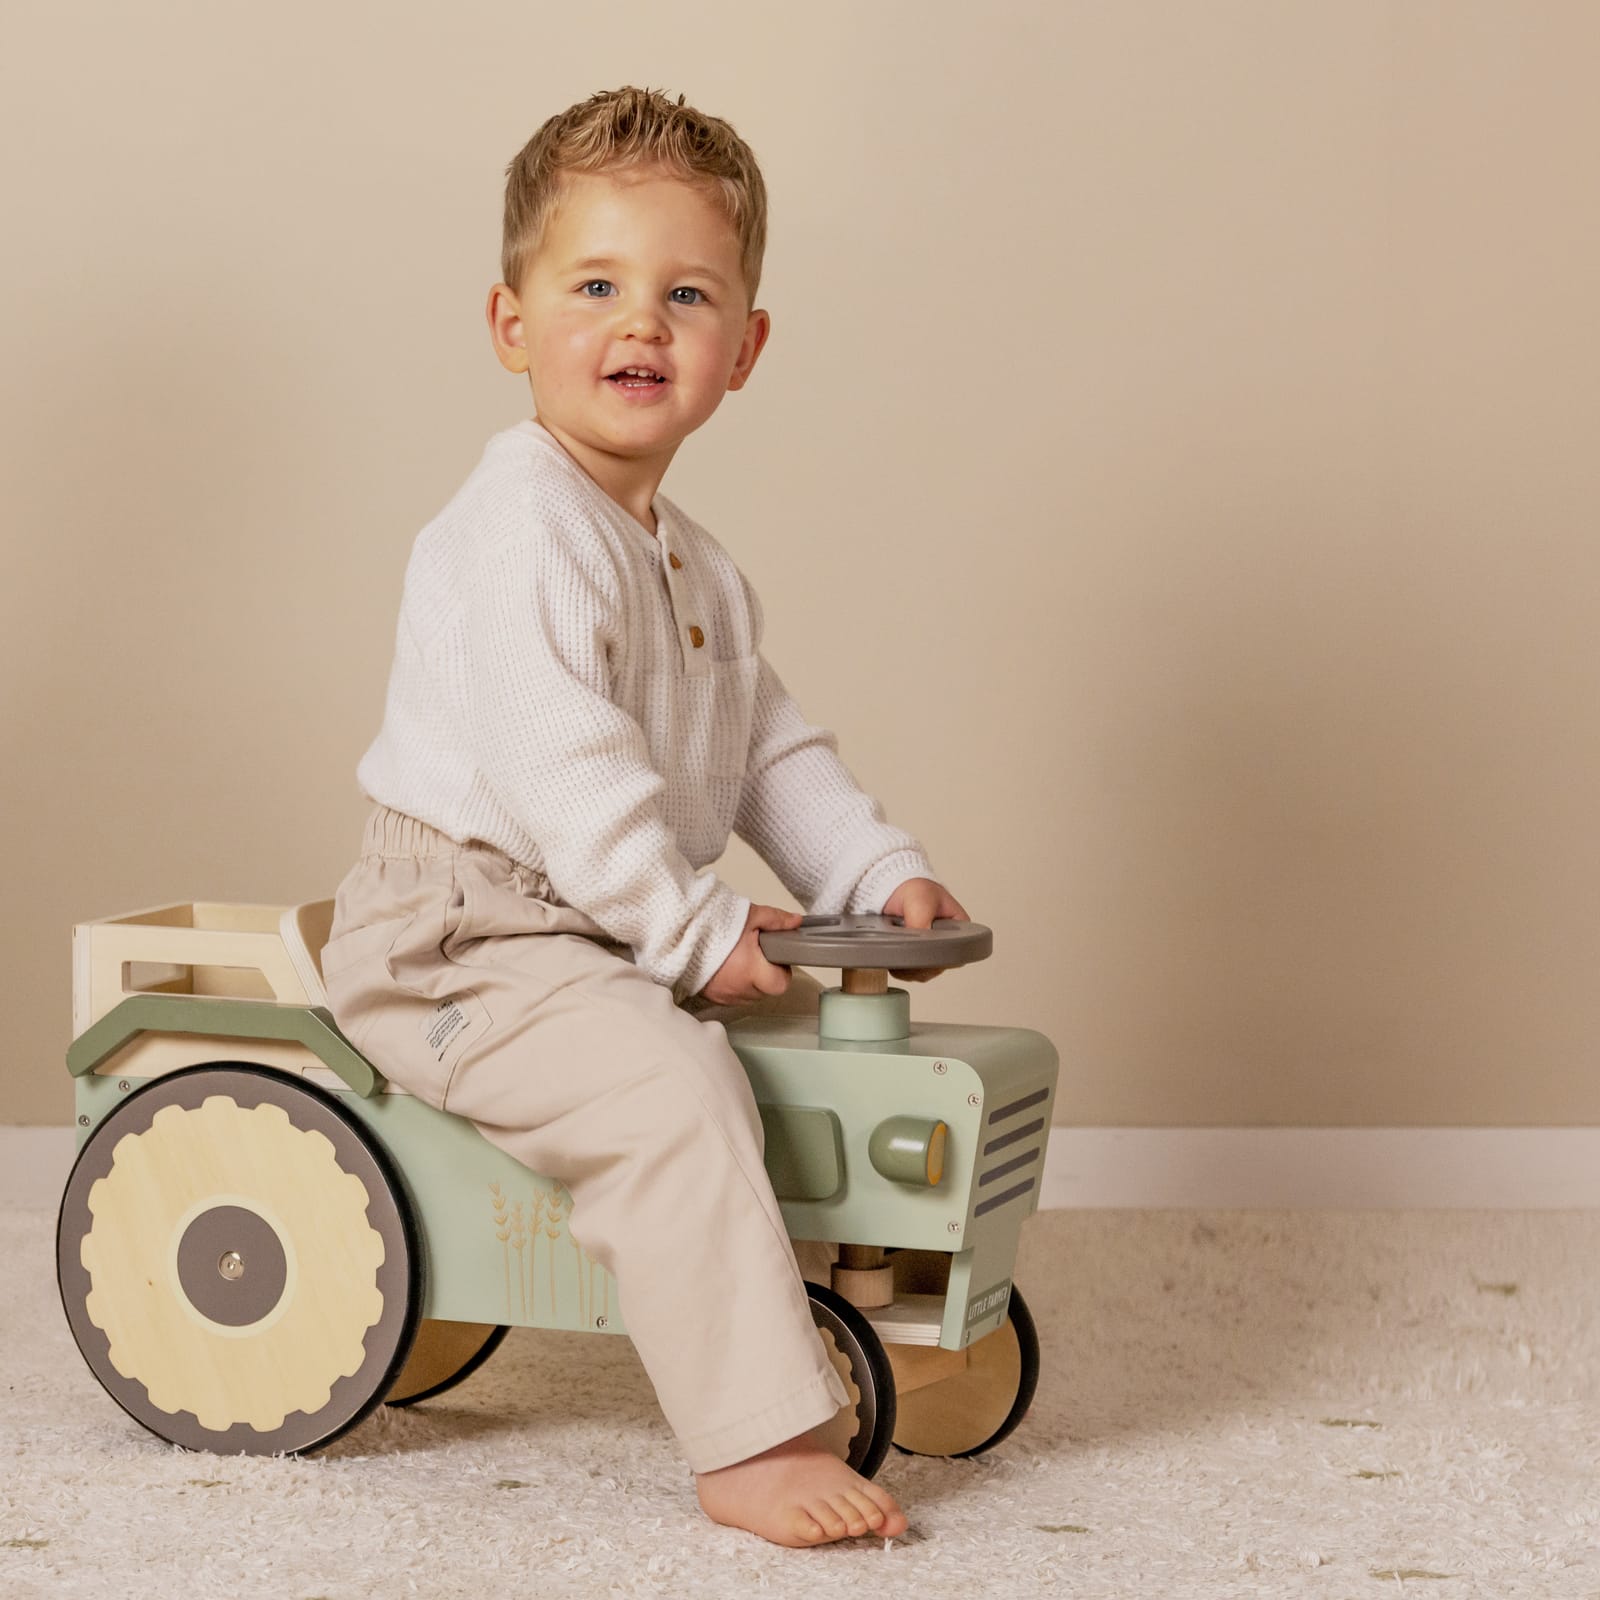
(632, 271)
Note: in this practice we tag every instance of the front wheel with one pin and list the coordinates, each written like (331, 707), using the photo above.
(862, 1428)
(973, 1410)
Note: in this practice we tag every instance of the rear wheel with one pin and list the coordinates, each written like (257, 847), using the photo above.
(237, 1261)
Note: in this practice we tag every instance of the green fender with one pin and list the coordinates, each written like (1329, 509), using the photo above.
(312, 1026)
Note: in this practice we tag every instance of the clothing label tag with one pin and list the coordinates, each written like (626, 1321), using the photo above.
(456, 1019)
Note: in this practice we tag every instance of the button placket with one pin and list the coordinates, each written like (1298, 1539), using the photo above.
(691, 637)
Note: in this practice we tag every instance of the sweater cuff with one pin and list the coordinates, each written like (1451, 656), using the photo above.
(720, 926)
(878, 883)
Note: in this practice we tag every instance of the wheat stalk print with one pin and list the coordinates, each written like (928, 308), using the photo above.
(554, 1233)
(553, 1230)
(517, 1243)
(548, 1210)
(502, 1231)
(577, 1263)
(533, 1253)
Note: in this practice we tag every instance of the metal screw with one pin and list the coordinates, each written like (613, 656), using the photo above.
(83, 1122)
(953, 1227)
(231, 1266)
(602, 1322)
(940, 1068)
(974, 1099)
(124, 1084)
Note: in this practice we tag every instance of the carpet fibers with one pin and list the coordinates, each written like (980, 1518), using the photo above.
(1315, 1403)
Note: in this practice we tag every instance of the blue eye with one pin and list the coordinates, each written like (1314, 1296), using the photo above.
(682, 289)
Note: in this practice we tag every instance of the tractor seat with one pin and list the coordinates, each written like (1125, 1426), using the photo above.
(304, 931)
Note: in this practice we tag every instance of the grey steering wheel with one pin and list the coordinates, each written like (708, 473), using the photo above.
(861, 940)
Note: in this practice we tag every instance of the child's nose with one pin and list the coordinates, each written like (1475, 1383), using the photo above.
(643, 319)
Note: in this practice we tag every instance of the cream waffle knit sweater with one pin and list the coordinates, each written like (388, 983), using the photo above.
(591, 699)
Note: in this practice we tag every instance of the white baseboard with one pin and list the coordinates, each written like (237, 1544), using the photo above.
(1517, 1169)
(1343, 1169)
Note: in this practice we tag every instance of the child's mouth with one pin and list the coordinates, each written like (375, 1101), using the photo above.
(627, 380)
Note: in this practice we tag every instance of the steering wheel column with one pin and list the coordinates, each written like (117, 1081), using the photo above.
(864, 1008)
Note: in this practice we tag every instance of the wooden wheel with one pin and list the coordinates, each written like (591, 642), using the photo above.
(861, 1429)
(442, 1355)
(237, 1261)
(975, 1407)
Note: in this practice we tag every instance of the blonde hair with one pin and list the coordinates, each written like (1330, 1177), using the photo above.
(621, 130)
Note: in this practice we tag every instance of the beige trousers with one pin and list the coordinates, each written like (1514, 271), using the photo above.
(567, 1056)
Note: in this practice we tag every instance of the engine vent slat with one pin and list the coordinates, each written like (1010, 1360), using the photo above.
(1007, 1167)
(1001, 1198)
(1000, 1113)
(1011, 1138)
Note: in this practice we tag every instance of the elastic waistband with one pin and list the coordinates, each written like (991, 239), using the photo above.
(394, 833)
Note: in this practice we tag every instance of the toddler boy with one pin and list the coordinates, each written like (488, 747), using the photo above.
(578, 714)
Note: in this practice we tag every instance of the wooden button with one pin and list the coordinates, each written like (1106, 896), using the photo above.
(696, 638)
(672, 556)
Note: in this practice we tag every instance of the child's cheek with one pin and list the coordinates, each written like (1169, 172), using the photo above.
(571, 339)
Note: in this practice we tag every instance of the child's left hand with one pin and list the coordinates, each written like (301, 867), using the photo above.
(919, 902)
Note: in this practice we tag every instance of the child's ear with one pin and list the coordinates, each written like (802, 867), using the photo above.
(504, 315)
(756, 329)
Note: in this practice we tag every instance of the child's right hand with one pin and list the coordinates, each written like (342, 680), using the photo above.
(747, 974)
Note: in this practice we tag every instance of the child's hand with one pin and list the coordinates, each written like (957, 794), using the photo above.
(919, 902)
(747, 974)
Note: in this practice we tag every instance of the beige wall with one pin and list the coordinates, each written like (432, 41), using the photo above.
(1173, 473)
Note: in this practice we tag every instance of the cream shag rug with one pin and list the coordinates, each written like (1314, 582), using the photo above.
(1318, 1403)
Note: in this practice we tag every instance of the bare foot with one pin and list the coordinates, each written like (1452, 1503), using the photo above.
(798, 1493)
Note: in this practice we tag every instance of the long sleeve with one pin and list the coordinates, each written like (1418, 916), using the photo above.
(571, 766)
(803, 812)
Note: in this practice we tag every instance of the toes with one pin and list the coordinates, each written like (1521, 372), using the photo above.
(894, 1519)
(849, 1513)
(832, 1523)
(881, 1498)
(866, 1507)
(807, 1531)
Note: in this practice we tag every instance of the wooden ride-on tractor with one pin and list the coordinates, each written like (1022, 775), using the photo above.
(261, 1240)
